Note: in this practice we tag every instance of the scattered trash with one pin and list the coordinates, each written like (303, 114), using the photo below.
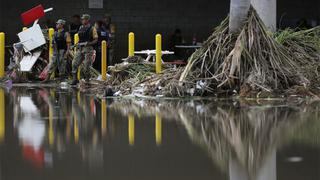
(64, 85)
(253, 63)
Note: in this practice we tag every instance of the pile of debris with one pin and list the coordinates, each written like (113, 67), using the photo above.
(255, 61)
(252, 63)
(29, 57)
(136, 76)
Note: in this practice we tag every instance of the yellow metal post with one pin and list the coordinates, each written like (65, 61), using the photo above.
(131, 44)
(75, 130)
(104, 60)
(2, 115)
(51, 33)
(51, 127)
(2, 54)
(76, 41)
(158, 129)
(79, 97)
(51, 131)
(103, 117)
(131, 129)
(158, 53)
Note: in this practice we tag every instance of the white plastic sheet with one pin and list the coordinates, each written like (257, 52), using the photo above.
(28, 61)
(32, 38)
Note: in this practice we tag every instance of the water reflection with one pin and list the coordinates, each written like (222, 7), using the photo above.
(242, 138)
(2, 115)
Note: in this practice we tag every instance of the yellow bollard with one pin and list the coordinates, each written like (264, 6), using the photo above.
(51, 131)
(75, 130)
(2, 54)
(76, 41)
(79, 97)
(158, 129)
(131, 129)
(104, 64)
(103, 117)
(158, 53)
(2, 116)
(131, 44)
(51, 33)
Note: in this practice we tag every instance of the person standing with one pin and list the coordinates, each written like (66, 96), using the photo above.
(61, 45)
(111, 28)
(74, 26)
(88, 38)
(176, 39)
(103, 35)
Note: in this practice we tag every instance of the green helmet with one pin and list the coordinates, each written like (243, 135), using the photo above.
(61, 21)
(86, 16)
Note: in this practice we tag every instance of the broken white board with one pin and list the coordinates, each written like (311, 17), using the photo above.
(32, 38)
(28, 61)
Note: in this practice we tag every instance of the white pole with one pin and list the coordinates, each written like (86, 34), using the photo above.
(48, 10)
(267, 10)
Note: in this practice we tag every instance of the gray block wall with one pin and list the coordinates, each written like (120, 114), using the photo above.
(147, 17)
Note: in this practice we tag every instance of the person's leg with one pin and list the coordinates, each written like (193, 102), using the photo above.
(110, 54)
(76, 62)
(97, 63)
(52, 65)
(62, 64)
(87, 63)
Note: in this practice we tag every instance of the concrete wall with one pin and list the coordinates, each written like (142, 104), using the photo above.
(147, 17)
(144, 17)
(291, 11)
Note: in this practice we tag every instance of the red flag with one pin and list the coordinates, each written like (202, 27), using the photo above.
(32, 15)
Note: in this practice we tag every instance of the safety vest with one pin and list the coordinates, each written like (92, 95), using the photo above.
(60, 40)
(85, 34)
(103, 35)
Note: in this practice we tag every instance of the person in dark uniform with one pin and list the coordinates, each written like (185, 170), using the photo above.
(103, 35)
(74, 26)
(176, 39)
(88, 38)
(61, 45)
(111, 28)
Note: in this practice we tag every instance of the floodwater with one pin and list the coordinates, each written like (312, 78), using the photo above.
(67, 134)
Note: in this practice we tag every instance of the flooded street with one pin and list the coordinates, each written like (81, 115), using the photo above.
(66, 135)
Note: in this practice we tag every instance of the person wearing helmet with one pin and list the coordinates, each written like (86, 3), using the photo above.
(88, 38)
(61, 45)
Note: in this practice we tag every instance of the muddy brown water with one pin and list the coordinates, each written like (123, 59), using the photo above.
(65, 134)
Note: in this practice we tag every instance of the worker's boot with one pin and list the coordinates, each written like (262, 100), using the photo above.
(74, 79)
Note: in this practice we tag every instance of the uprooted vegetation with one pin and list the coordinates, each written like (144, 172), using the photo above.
(252, 63)
(254, 60)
